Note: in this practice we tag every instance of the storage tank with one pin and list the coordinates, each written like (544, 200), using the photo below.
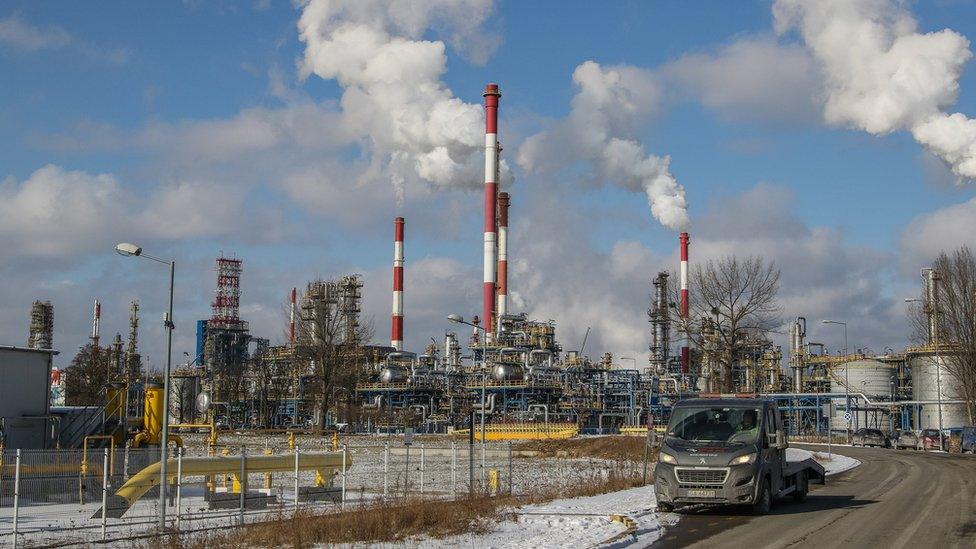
(871, 377)
(184, 389)
(394, 374)
(507, 372)
(927, 370)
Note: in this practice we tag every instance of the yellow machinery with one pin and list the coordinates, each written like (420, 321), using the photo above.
(152, 419)
(523, 431)
(325, 465)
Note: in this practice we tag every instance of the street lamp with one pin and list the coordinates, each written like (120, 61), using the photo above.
(484, 382)
(847, 376)
(127, 249)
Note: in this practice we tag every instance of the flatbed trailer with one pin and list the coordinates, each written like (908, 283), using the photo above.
(729, 451)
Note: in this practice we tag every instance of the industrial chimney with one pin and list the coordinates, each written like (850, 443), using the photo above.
(502, 308)
(291, 323)
(491, 96)
(96, 324)
(396, 337)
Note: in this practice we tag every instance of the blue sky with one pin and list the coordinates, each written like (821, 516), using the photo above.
(160, 98)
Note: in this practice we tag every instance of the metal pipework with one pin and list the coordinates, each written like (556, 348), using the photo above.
(325, 465)
(504, 202)
(396, 337)
(491, 95)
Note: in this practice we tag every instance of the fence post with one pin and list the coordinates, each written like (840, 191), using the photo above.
(16, 495)
(423, 468)
(104, 491)
(125, 464)
(179, 487)
(453, 469)
(484, 464)
(296, 479)
(243, 481)
(386, 471)
(343, 504)
(511, 470)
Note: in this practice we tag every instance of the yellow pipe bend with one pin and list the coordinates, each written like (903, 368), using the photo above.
(146, 479)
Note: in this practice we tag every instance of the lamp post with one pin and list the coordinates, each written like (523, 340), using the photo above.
(484, 382)
(127, 249)
(847, 377)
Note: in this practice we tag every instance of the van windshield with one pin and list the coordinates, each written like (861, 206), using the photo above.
(715, 424)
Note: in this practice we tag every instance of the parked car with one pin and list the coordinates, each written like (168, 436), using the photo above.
(869, 437)
(968, 442)
(893, 438)
(928, 439)
(906, 439)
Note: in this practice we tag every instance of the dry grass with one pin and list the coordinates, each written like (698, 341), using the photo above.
(608, 447)
(399, 521)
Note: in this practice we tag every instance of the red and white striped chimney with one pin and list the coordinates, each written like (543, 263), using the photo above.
(396, 337)
(685, 356)
(291, 325)
(491, 96)
(502, 308)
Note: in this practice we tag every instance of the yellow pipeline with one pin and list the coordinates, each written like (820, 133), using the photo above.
(324, 464)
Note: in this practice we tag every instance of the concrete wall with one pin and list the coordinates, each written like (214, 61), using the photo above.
(25, 388)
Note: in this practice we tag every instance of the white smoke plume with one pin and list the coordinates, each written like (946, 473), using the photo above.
(882, 75)
(393, 97)
(610, 102)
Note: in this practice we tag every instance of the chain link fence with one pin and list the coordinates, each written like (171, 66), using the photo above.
(56, 497)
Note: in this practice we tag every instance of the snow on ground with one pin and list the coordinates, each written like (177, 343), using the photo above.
(832, 463)
(569, 523)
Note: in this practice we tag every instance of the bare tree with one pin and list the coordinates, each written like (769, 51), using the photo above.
(735, 301)
(85, 378)
(955, 312)
(330, 342)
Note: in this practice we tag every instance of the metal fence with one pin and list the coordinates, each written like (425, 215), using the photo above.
(56, 497)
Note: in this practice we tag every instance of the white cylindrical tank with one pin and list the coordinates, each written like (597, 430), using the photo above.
(871, 377)
(928, 374)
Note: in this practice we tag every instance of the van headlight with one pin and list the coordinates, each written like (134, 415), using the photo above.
(667, 458)
(743, 460)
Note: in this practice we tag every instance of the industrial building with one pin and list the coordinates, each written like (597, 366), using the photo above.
(24, 396)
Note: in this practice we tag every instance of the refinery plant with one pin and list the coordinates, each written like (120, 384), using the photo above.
(501, 372)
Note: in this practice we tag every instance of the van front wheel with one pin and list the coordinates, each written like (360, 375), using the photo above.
(764, 501)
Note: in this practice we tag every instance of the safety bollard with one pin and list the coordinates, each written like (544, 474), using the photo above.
(104, 491)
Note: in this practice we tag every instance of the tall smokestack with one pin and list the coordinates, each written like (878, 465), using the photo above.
(491, 192)
(396, 338)
(291, 324)
(685, 353)
(96, 323)
(502, 308)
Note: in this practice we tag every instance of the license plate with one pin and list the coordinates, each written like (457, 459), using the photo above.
(701, 493)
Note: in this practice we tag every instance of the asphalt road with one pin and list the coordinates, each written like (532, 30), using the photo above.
(894, 499)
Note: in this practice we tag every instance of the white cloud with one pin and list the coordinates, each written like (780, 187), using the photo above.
(19, 34)
(753, 78)
(606, 111)
(57, 214)
(393, 96)
(943, 229)
(882, 75)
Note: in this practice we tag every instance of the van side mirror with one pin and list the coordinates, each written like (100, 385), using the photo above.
(781, 442)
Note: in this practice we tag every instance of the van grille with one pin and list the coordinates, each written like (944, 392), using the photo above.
(702, 476)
